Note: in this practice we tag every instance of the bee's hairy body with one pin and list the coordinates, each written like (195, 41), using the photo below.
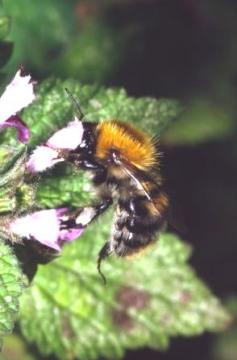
(124, 163)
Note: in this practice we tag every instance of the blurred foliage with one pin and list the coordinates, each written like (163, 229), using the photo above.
(96, 44)
(224, 347)
(5, 46)
(202, 122)
(38, 32)
(14, 347)
(64, 42)
(91, 42)
(4, 26)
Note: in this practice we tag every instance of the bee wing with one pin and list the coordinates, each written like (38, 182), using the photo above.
(140, 177)
(140, 186)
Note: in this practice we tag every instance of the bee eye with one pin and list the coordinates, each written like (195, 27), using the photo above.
(115, 156)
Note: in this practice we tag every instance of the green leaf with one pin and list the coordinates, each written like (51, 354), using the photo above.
(11, 284)
(12, 166)
(15, 194)
(35, 44)
(15, 348)
(6, 47)
(11, 163)
(4, 26)
(201, 122)
(70, 313)
(94, 55)
(224, 346)
(73, 188)
(11, 176)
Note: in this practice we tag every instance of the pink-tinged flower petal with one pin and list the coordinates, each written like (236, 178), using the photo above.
(43, 226)
(42, 159)
(61, 211)
(17, 95)
(46, 226)
(23, 133)
(69, 137)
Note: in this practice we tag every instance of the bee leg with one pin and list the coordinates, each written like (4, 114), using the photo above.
(86, 163)
(104, 252)
(83, 217)
(86, 215)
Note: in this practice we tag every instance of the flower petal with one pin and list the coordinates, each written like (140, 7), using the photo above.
(23, 133)
(43, 226)
(17, 95)
(46, 226)
(42, 159)
(69, 137)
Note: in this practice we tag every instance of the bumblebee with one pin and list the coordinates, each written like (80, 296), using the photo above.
(124, 163)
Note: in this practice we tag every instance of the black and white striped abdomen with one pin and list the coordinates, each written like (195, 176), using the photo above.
(136, 223)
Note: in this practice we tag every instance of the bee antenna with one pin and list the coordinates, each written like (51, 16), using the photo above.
(75, 103)
(104, 252)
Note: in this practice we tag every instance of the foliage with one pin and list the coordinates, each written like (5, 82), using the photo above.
(69, 312)
(11, 277)
(85, 50)
(224, 347)
(11, 281)
(14, 347)
(202, 122)
(5, 46)
(33, 42)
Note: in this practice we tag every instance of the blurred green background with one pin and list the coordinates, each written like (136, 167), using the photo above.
(184, 49)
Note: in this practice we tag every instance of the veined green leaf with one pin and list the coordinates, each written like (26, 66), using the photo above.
(11, 284)
(69, 312)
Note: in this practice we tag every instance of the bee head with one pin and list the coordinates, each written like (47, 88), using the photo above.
(88, 142)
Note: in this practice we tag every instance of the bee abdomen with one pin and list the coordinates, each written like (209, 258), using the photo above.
(137, 222)
(143, 215)
(125, 243)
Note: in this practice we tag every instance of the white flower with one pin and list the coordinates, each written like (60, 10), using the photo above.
(69, 137)
(42, 159)
(49, 227)
(17, 95)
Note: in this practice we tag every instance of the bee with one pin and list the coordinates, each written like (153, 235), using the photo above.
(124, 163)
